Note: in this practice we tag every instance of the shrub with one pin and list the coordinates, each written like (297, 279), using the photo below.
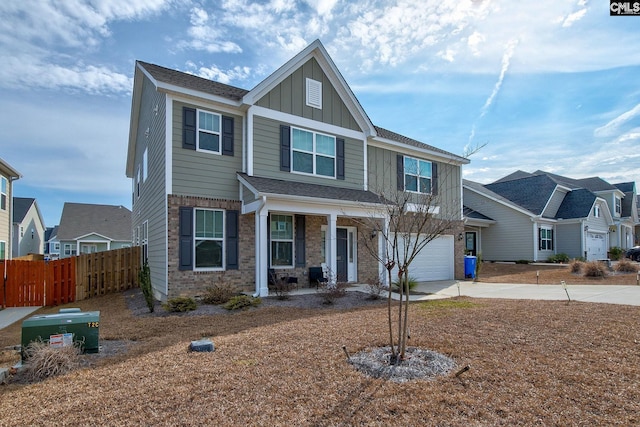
(220, 293)
(43, 361)
(375, 288)
(615, 253)
(576, 265)
(560, 258)
(180, 304)
(626, 266)
(595, 269)
(242, 301)
(282, 287)
(522, 261)
(409, 284)
(329, 291)
(144, 278)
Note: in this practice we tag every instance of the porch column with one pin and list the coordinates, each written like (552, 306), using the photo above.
(262, 261)
(333, 247)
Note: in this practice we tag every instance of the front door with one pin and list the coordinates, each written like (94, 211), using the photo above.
(470, 243)
(342, 254)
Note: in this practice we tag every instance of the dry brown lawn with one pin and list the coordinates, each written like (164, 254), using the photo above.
(532, 363)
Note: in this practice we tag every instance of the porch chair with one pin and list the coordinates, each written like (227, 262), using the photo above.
(316, 276)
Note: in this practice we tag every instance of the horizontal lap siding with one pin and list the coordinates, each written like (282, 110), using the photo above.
(567, 240)
(266, 140)
(510, 238)
(151, 204)
(197, 173)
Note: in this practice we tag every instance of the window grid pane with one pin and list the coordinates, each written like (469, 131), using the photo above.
(313, 153)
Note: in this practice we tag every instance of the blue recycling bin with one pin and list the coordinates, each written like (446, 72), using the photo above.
(470, 266)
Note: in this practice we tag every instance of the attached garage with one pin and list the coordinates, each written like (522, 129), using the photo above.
(596, 246)
(434, 262)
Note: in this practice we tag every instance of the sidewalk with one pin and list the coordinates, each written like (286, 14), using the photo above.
(14, 314)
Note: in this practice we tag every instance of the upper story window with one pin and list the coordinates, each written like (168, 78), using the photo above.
(145, 165)
(417, 175)
(314, 94)
(209, 239)
(3, 251)
(3, 194)
(208, 131)
(618, 206)
(596, 211)
(313, 153)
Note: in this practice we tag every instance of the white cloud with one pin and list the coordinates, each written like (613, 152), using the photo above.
(614, 125)
(214, 73)
(574, 17)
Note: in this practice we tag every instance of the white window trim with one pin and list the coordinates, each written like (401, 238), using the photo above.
(618, 206)
(315, 154)
(145, 165)
(292, 241)
(4, 183)
(314, 93)
(405, 173)
(218, 239)
(549, 239)
(4, 244)
(198, 130)
(596, 211)
(72, 249)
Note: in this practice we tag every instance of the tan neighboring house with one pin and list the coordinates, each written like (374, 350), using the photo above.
(229, 183)
(87, 228)
(7, 175)
(28, 227)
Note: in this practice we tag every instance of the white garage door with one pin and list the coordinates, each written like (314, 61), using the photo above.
(434, 262)
(596, 246)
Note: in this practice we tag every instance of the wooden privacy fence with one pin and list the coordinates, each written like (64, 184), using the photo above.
(107, 272)
(50, 283)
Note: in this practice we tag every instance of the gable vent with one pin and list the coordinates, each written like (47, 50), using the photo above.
(314, 93)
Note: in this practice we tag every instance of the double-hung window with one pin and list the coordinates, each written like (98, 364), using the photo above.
(3, 250)
(281, 235)
(69, 250)
(618, 206)
(417, 175)
(3, 193)
(209, 131)
(313, 153)
(546, 239)
(209, 239)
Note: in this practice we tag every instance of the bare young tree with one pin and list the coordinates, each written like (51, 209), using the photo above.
(404, 223)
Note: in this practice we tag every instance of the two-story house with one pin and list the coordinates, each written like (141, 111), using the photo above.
(51, 243)
(533, 216)
(228, 183)
(7, 176)
(28, 227)
(87, 228)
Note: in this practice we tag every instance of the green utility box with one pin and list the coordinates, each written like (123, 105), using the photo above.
(68, 326)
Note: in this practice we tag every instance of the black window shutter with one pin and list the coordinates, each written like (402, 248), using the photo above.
(539, 238)
(339, 158)
(231, 240)
(400, 172)
(552, 242)
(285, 148)
(186, 238)
(301, 259)
(227, 136)
(189, 128)
(434, 179)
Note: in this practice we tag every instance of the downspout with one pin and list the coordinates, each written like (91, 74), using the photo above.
(261, 206)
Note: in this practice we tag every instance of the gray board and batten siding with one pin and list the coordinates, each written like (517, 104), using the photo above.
(289, 97)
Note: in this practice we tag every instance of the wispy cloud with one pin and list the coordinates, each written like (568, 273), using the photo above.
(614, 125)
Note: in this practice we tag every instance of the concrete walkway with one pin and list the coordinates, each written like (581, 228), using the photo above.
(12, 315)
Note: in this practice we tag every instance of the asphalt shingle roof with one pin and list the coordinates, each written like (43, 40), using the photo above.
(531, 193)
(292, 188)
(80, 219)
(470, 213)
(21, 206)
(190, 81)
(576, 204)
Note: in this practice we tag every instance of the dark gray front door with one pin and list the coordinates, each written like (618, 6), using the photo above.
(341, 256)
(470, 243)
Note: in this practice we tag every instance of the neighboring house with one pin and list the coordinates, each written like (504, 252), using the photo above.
(532, 216)
(7, 176)
(229, 183)
(87, 228)
(51, 243)
(28, 227)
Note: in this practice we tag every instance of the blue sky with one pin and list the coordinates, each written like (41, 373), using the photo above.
(549, 85)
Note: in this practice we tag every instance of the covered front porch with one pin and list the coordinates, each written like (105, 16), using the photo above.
(298, 226)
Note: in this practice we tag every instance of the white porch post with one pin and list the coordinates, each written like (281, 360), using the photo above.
(333, 247)
(261, 241)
